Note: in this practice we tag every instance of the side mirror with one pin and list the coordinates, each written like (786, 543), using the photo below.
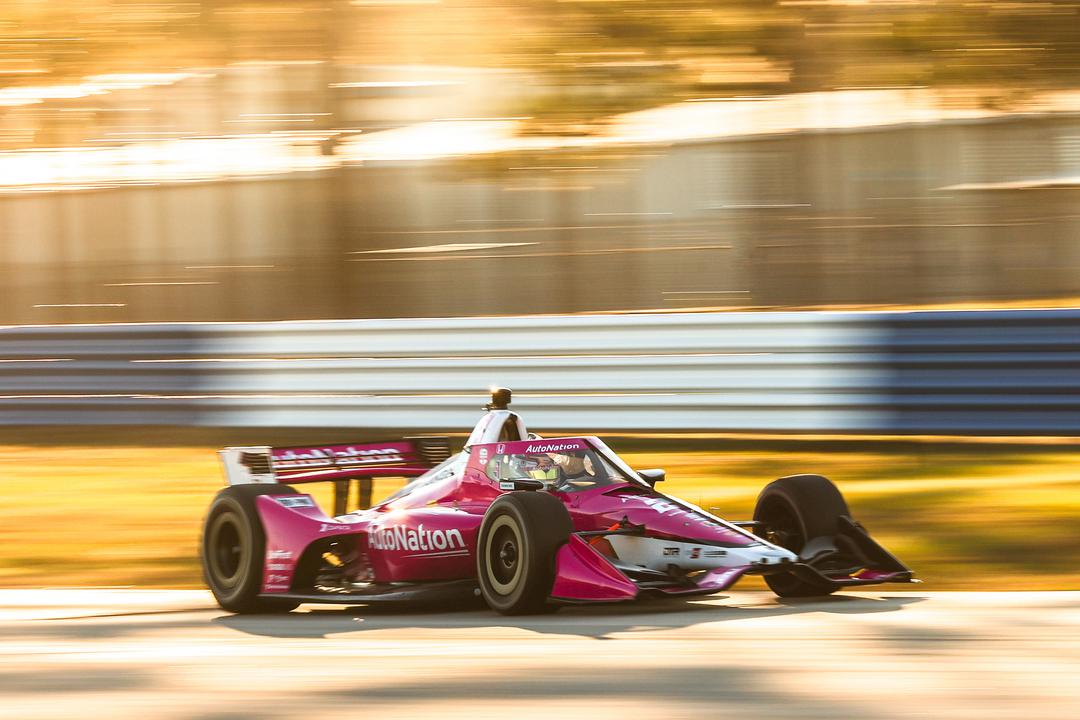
(652, 476)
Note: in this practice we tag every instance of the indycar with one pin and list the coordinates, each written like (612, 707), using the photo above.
(527, 523)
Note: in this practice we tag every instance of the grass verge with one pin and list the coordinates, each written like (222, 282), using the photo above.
(124, 506)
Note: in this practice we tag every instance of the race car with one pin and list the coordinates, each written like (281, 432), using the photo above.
(528, 523)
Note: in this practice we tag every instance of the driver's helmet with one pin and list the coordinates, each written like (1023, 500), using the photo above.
(543, 467)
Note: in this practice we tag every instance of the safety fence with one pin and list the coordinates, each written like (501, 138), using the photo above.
(954, 372)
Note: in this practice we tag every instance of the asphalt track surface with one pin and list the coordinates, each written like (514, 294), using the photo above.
(886, 654)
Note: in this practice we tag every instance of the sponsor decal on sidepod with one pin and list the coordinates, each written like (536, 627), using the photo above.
(399, 537)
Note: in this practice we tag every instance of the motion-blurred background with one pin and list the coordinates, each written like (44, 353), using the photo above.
(238, 160)
(325, 159)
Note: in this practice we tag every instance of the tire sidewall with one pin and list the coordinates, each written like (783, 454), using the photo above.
(499, 599)
(236, 505)
(542, 525)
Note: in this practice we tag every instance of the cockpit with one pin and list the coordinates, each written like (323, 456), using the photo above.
(564, 470)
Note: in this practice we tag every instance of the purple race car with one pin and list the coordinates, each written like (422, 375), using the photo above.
(528, 523)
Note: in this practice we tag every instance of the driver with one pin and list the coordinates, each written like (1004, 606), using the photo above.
(576, 465)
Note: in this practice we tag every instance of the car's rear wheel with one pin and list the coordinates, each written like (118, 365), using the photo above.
(515, 554)
(233, 549)
(792, 511)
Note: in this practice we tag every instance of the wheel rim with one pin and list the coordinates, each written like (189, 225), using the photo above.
(503, 553)
(781, 527)
(226, 550)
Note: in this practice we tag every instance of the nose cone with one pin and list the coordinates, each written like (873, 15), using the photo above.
(761, 555)
(771, 554)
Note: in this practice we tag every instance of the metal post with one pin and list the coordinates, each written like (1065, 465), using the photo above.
(366, 486)
(341, 496)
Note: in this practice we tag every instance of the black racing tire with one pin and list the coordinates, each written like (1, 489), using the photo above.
(790, 512)
(515, 554)
(233, 549)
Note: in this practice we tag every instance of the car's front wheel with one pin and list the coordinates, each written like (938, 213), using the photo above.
(790, 512)
(233, 547)
(515, 554)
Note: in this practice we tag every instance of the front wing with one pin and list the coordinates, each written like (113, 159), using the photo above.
(849, 558)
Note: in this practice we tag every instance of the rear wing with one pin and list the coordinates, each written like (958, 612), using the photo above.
(400, 458)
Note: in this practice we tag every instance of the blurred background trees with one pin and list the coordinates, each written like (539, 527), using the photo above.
(203, 160)
(596, 57)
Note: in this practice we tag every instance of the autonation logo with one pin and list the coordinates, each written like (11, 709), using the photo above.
(553, 447)
(402, 538)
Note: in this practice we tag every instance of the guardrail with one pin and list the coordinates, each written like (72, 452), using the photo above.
(957, 372)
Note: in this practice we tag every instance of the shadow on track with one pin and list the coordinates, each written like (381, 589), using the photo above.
(689, 692)
(599, 622)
